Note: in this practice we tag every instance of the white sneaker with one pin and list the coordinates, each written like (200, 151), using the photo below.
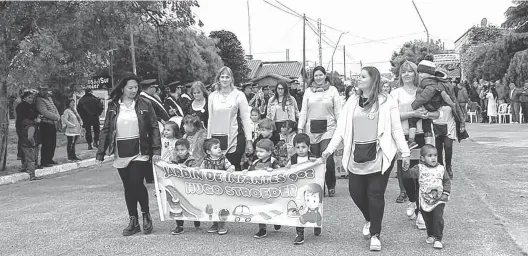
(366, 229)
(429, 240)
(437, 245)
(411, 207)
(420, 223)
(375, 244)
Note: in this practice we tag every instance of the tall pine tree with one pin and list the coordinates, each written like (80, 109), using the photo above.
(232, 54)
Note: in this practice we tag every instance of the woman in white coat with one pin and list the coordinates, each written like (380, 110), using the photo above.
(370, 128)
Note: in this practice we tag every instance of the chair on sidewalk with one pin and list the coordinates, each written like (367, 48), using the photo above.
(504, 111)
(472, 109)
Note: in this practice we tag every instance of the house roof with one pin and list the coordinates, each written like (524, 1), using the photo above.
(290, 69)
(254, 66)
(278, 77)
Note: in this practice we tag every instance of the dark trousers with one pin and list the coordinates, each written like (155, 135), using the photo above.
(434, 222)
(330, 177)
(148, 172)
(444, 143)
(29, 160)
(70, 148)
(427, 125)
(515, 110)
(20, 153)
(135, 191)
(235, 158)
(48, 139)
(96, 131)
(410, 183)
(524, 106)
(368, 193)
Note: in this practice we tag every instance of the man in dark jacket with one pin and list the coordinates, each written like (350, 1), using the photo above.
(90, 108)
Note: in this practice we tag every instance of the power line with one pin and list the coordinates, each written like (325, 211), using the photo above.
(298, 16)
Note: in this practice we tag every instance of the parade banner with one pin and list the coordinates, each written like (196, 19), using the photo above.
(290, 197)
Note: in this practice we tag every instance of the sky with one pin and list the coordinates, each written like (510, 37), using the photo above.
(374, 28)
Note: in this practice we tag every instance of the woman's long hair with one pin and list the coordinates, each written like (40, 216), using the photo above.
(406, 65)
(117, 93)
(219, 73)
(347, 91)
(375, 86)
(285, 97)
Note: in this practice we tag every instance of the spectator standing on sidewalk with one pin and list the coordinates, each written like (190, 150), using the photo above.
(90, 108)
(71, 121)
(48, 126)
(462, 97)
(131, 133)
(523, 98)
(18, 121)
(515, 103)
(502, 92)
(27, 130)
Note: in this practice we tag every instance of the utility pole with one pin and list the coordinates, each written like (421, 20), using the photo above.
(423, 23)
(133, 50)
(320, 39)
(344, 62)
(304, 51)
(249, 28)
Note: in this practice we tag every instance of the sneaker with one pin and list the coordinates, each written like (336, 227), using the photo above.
(411, 208)
(299, 239)
(412, 145)
(196, 224)
(222, 231)
(317, 231)
(331, 192)
(213, 228)
(178, 231)
(277, 227)
(420, 223)
(401, 198)
(261, 233)
(375, 243)
(429, 240)
(438, 244)
(366, 229)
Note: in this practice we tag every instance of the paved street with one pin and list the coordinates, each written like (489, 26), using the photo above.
(83, 213)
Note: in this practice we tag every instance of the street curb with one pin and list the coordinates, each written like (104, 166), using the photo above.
(18, 177)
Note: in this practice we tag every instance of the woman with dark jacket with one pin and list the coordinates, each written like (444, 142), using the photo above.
(131, 133)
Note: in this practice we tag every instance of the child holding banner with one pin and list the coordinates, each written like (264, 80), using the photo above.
(215, 160)
(284, 148)
(301, 142)
(171, 133)
(183, 157)
(266, 162)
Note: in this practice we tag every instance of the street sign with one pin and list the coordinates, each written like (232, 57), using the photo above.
(98, 83)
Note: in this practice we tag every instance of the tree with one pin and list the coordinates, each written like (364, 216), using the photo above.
(63, 43)
(517, 17)
(336, 81)
(414, 51)
(518, 69)
(232, 54)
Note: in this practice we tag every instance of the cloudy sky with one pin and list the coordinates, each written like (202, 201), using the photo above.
(375, 27)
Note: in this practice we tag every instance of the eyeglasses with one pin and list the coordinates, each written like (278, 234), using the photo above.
(280, 88)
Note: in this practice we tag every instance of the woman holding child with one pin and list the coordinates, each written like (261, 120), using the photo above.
(370, 129)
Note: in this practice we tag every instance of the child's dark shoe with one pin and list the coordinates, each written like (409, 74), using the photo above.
(178, 230)
(317, 231)
(299, 239)
(277, 227)
(261, 233)
(196, 224)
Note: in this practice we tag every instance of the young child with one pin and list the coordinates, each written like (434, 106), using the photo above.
(171, 133)
(435, 186)
(184, 158)
(29, 134)
(215, 160)
(266, 162)
(255, 120)
(431, 95)
(71, 120)
(284, 148)
(195, 134)
(301, 142)
(266, 130)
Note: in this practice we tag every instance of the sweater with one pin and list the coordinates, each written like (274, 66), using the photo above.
(433, 182)
(47, 109)
(72, 122)
(390, 133)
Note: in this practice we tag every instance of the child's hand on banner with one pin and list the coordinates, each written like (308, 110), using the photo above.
(156, 158)
(231, 168)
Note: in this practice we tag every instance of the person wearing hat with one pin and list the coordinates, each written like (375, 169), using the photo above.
(175, 103)
(90, 108)
(48, 131)
(430, 95)
(150, 88)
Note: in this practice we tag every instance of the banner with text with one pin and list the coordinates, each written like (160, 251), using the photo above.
(290, 197)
